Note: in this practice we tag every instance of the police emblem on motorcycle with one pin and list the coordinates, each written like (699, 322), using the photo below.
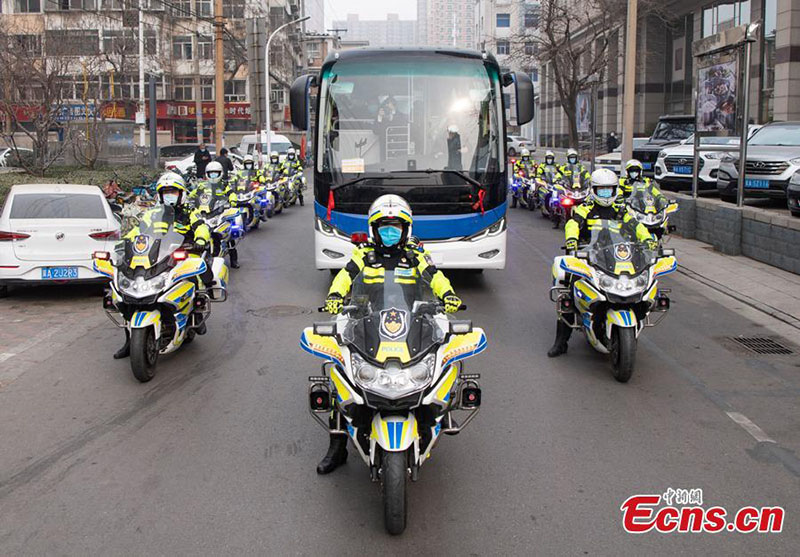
(140, 244)
(622, 252)
(393, 323)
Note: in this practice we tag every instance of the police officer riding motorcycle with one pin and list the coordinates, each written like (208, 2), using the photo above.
(390, 248)
(215, 186)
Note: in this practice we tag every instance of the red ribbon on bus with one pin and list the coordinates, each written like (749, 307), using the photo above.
(479, 203)
(331, 204)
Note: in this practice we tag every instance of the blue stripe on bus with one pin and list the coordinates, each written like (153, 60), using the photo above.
(426, 227)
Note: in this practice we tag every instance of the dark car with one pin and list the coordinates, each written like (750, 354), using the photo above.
(793, 194)
(670, 130)
(773, 159)
(176, 151)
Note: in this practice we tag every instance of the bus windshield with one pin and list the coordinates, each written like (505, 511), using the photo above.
(411, 113)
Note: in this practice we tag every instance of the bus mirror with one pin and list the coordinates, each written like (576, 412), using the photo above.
(524, 90)
(298, 101)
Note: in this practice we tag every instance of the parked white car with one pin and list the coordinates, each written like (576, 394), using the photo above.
(674, 166)
(613, 160)
(278, 142)
(48, 233)
(516, 143)
(8, 158)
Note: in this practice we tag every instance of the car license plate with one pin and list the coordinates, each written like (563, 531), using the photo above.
(647, 165)
(682, 169)
(757, 184)
(59, 273)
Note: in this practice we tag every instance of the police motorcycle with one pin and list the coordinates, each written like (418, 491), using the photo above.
(394, 378)
(652, 211)
(248, 203)
(156, 292)
(225, 222)
(573, 192)
(609, 289)
(276, 186)
(297, 183)
(551, 199)
(521, 189)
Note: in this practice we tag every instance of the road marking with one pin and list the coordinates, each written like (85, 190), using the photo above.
(5, 356)
(756, 432)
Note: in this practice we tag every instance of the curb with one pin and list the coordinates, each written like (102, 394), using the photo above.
(755, 304)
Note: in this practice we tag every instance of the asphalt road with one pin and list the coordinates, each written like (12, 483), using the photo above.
(217, 454)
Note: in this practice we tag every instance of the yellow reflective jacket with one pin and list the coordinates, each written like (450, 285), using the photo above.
(589, 214)
(365, 259)
(188, 224)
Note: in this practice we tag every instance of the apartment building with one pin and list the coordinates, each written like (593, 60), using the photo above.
(446, 23)
(101, 40)
(391, 31)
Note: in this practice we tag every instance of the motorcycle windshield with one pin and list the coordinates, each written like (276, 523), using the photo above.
(392, 314)
(208, 205)
(642, 201)
(577, 188)
(616, 252)
(155, 242)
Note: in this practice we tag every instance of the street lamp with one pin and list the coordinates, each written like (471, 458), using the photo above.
(266, 78)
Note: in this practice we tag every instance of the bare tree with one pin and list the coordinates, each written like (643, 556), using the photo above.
(31, 102)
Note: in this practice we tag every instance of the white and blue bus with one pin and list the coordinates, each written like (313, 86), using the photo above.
(427, 124)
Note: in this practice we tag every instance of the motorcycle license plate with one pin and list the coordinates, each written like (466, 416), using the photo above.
(59, 273)
(647, 165)
(756, 184)
(682, 169)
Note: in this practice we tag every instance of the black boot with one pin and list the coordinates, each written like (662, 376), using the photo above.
(234, 255)
(336, 455)
(563, 332)
(125, 351)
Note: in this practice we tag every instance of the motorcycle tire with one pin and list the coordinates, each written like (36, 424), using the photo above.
(531, 205)
(190, 334)
(393, 485)
(623, 353)
(270, 213)
(279, 210)
(513, 202)
(144, 354)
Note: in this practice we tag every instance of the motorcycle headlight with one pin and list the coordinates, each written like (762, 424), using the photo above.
(623, 285)
(393, 381)
(141, 287)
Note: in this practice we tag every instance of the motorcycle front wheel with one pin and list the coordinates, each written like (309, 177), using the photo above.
(144, 354)
(393, 483)
(623, 353)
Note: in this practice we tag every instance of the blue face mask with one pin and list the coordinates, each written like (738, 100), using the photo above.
(605, 193)
(390, 235)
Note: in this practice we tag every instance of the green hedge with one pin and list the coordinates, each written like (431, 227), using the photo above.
(128, 176)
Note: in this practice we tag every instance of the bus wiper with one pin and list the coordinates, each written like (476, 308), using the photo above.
(459, 173)
(364, 178)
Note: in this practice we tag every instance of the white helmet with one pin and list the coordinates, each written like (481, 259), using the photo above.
(290, 153)
(176, 185)
(549, 157)
(525, 154)
(572, 156)
(389, 220)
(604, 187)
(214, 172)
(274, 156)
(248, 162)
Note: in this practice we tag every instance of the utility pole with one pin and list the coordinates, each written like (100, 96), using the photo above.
(219, 80)
(267, 108)
(629, 90)
(141, 114)
(198, 103)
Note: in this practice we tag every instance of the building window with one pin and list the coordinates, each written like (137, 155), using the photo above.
(207, 89)
(72, 42)
(236, 90)
(65, 5)
(182, 47)
(28, 6)
(531, 49)
(532, 19)
(313, 50)
(181, 8)
(204, 8)
(205, 46)
(184, 91)
(768, 65)
(534, 74)
(127, 42)
(31, 45)
(724, 15)
(233, 9)
(503, 47)
(504, 20)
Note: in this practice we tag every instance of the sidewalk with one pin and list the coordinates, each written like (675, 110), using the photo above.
(761, 286)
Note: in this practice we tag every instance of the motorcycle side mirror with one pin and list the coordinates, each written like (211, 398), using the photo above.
(582, 254)
(667, 252)
(325, 329)
(460, 327)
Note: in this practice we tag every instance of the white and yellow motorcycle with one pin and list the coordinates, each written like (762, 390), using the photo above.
(393, 379)
(156, 293)
(609, 290)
